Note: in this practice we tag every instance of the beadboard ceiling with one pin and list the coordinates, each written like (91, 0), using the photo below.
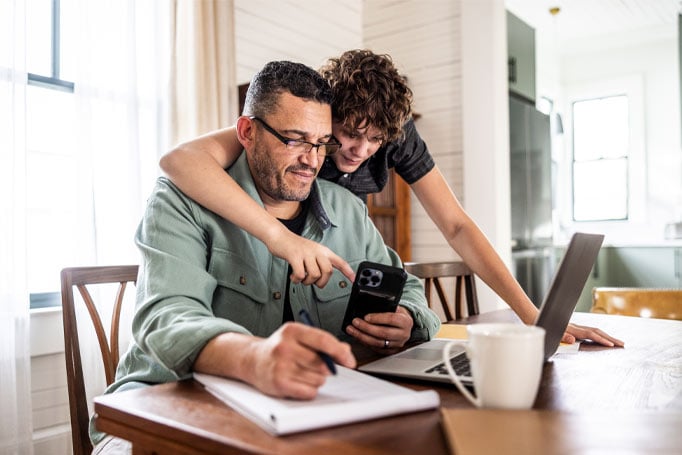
(590, 19)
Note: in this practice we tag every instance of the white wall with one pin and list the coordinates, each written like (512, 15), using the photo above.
(485, 123)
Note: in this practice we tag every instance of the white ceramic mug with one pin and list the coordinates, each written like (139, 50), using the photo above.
(506, 364)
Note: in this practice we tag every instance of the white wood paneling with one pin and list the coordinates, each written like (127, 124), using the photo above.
(299, 30)
(53, 441)
(49, 394)
(47, 333)
(50, 400)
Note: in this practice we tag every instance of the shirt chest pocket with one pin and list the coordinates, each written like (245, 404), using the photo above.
(331, 302)
(243, 293)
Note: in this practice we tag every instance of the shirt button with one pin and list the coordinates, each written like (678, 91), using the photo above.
(242, 280)
(343, 284)
(277, 295)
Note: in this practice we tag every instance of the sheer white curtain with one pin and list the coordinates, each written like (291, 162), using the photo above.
(121, 104)
(15, 398)
(75, 168)
(121, 91)
(203, 81)
(134, 60)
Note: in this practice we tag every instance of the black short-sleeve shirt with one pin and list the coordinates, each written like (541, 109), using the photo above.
(410, 157)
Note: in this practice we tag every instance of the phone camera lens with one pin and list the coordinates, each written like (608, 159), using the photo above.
(375, 279)
(364, 281)
(366, 272)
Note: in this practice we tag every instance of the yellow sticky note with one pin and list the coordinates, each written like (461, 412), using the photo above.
(453, 331)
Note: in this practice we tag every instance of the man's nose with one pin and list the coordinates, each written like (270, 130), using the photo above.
(311, 158)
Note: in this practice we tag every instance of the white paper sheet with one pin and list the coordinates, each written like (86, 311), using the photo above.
(349, 396)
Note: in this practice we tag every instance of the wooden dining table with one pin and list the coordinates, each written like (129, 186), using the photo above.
(627, 397)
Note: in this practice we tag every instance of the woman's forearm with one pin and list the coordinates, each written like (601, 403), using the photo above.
(198, 169)
(464, 236)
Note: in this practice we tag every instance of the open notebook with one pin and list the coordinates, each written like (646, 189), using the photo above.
(425, 360)
(349, 396)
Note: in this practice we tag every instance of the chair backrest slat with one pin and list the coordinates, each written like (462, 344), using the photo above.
(115, 322)
(81, 278)
(465, 284)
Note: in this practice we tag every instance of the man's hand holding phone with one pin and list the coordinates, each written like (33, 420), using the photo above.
(385, 333)
(373, 315)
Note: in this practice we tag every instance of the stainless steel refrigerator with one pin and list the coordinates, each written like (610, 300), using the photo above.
(531, 198)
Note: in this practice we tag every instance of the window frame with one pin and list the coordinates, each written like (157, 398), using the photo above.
(53, 80)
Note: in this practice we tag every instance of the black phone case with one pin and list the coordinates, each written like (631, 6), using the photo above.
(377, 289)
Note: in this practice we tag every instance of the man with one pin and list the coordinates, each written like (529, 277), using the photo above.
(213, 299)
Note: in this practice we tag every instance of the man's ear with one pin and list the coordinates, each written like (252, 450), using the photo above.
(246, 132)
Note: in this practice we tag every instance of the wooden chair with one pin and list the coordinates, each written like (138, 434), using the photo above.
(81, 277)
(641, 302)
(465, 284)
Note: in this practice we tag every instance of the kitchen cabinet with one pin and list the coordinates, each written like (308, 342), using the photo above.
(656, 267)
(634, 266)
(520, 57)
(598, 277)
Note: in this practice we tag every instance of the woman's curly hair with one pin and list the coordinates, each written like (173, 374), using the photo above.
(368, 90)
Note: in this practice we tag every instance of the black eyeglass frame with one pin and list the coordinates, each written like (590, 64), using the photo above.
(289, 142)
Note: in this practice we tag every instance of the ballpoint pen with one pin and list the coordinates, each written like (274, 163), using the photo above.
(305, 317)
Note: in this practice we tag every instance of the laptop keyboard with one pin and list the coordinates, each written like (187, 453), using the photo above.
(460, 363)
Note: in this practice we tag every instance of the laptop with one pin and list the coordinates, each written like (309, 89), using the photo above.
(425, 361)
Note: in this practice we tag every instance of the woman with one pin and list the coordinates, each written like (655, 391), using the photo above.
(371, 114)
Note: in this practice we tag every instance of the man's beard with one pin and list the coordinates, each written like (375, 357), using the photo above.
(271, 182)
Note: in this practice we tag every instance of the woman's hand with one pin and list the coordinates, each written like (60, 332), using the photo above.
(581, 332)
(311, 263)
(385, 333)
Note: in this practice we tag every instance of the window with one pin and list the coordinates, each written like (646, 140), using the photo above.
(600, 159)
(51, 157)
(96, 108)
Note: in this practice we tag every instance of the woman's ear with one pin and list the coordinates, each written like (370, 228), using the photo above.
(246, 132)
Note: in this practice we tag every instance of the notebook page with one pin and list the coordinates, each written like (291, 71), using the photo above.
(346, 397)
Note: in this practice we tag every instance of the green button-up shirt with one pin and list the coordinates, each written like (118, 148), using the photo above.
(202, 276)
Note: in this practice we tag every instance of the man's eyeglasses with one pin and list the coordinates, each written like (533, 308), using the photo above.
(300, 146)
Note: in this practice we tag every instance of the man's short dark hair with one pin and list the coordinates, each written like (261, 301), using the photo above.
(278, 77)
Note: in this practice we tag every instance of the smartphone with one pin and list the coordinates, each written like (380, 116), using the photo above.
(377, 289)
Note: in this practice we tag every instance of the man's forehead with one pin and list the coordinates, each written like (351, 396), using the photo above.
(297, 112)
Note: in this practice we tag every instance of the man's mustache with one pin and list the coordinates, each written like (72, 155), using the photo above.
(302, 168)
